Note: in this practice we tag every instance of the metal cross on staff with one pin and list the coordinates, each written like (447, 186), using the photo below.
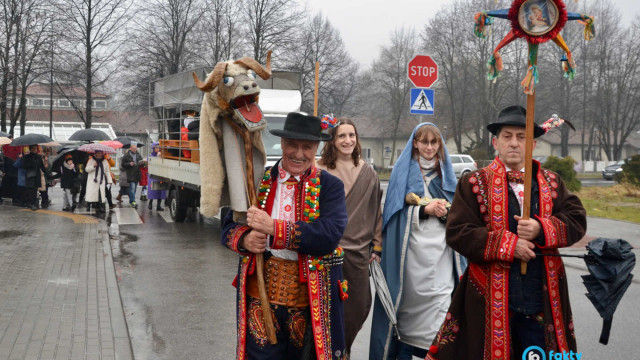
(537, 21)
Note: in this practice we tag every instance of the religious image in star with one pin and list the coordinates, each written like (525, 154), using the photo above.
(537, 17)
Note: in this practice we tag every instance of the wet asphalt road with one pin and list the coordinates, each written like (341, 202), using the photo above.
(175, 284)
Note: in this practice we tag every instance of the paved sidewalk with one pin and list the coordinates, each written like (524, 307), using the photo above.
(59, 298)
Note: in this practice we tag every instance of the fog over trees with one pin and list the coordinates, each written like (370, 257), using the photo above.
(118, 46)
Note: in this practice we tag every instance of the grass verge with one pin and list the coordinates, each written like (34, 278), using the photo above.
(618, 202)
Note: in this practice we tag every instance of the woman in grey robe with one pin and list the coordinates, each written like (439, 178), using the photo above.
(362, 239)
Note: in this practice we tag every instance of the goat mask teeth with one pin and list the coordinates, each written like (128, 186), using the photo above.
(248, 110)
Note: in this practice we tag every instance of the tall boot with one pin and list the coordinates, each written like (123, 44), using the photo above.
(150, 207)
(159, 207)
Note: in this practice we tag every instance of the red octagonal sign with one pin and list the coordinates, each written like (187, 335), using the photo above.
(422, 71)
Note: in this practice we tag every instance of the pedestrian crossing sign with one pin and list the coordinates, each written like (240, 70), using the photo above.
(422, 101)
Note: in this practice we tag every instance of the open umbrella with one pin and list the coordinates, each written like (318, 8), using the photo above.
(127, 141)
(382, 291)
(610, 263)
(32, 139)
(5, 140)
(79, 157)
(112, 143)
(4, 134)
(93, 147)
(89, 135)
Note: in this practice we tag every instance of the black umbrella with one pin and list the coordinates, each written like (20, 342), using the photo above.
(79, 157)
(4, 134)
(127, 141)
(89, 135)
(610, 263)
(31, 139)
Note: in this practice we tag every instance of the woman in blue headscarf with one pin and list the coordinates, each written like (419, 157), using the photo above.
(157, 195)
(420, 269)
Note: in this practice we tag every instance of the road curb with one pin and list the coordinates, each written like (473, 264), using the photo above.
(122, 340)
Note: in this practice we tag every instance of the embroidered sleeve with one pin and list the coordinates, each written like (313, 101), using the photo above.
(554, 232)
(501, 246)
(284, 235)
(234, 235)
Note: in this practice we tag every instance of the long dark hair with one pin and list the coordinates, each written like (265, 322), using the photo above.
(329, 154)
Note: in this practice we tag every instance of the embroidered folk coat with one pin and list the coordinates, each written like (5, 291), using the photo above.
(477, 323)
(321, 218)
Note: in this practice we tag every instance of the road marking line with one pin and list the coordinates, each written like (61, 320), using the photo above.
(77, 218)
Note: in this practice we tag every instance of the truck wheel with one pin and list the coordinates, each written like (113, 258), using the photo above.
(177, 209)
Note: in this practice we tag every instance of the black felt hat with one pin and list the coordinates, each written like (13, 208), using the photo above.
(301, 127)
(514, 115)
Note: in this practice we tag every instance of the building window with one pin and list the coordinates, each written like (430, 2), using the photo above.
(366, 153)
(99, 104)
(63, 103)
(47, 102)
(77, 103)
(37, 102)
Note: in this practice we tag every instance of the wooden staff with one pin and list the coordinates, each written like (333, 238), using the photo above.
(315, 94)
(253, 200)
(528, 152)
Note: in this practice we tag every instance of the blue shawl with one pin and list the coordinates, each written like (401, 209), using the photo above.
(406, 177)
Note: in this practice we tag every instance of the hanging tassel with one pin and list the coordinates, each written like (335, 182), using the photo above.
(482, 25)
(568, 66)
(495, 66)
(530, 80)
(589, 28)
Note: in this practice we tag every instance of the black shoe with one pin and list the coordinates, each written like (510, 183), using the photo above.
(159, 208)
(34, 208)
(150, 207)
(73, 208)
(65, 209)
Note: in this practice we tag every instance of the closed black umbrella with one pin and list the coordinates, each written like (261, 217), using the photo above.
(610, 263)
(89, 135)
(31, 139)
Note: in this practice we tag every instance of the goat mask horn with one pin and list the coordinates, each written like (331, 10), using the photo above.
(213, 79)
(252, 64)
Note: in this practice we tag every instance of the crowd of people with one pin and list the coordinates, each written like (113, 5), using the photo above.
(86, 179)
(450, 250)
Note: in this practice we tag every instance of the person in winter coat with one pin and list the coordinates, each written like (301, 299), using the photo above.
(158, 195)
(124, 184)
(144, 180)
(112, 163)
(19, 200)
(131, 163)
(98, 177)
(32, 164)
(68, 175)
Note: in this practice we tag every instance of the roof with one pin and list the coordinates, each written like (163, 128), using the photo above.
(377, 128)
(131, 122)
(575, 138)
(40, 89)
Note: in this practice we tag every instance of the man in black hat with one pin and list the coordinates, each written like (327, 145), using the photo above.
(298, 225)
(496, 312)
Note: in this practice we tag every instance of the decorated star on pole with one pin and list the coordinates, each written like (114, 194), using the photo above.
(537, 21)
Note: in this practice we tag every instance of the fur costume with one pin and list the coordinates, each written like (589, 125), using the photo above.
(230, 94)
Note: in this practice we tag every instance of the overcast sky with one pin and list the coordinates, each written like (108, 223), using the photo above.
(365, 25)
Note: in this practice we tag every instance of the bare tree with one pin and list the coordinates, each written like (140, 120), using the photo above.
(27, 28)
(321, 42)
(390, 77)
(91, 40)
(271, 25)
(220, 31)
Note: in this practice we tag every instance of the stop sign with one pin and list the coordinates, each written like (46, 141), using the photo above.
(422, 71)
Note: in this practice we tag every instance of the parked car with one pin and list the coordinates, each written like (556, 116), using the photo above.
(610, 171)
(462, 164)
